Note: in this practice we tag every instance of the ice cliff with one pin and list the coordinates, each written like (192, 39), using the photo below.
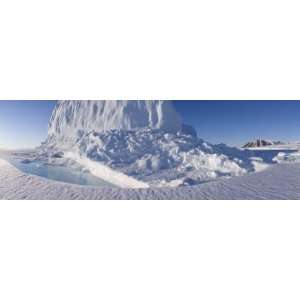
(70, 119)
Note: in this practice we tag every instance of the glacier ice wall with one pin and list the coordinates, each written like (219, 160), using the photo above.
(71, 118)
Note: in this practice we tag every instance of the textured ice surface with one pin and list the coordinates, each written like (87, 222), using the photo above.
(157, 156)
(70, 119)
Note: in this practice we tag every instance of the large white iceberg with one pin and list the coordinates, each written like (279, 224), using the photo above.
(143, 139)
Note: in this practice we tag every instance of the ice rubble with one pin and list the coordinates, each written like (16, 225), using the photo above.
(143, 139)
(283, 157)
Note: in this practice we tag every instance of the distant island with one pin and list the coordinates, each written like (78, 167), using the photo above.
(261, 143)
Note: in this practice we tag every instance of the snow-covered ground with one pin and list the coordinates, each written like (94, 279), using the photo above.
(280, 181)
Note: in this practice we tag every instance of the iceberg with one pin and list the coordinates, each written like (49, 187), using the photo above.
(146, 140)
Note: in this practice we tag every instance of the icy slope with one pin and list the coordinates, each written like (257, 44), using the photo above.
(70, 119)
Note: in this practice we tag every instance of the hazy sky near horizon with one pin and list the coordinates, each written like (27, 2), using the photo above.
(23, 124)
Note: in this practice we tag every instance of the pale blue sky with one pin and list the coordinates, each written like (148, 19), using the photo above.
(24, 124)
